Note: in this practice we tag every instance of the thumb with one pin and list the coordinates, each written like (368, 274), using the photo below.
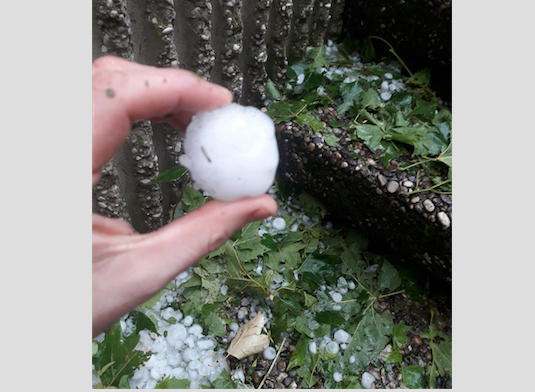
(180, 244)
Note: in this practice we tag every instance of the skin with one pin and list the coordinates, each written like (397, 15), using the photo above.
(130, 268)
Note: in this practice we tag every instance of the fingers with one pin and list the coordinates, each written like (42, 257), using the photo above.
(182, 243)
(125, 92)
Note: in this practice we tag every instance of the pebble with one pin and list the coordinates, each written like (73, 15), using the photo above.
(428, 205)
(443, 219)
(415, 199)
(392, 186)
(381, 179)
(408, 184)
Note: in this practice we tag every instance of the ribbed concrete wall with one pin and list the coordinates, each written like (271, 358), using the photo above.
(235, 43)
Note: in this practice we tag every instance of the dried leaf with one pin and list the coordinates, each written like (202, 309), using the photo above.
(249, 340)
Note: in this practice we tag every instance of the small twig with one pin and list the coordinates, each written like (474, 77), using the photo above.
(272, 364)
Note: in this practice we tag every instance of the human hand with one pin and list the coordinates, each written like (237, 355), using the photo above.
(129, 268)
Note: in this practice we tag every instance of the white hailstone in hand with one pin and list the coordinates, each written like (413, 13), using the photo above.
(231, 152)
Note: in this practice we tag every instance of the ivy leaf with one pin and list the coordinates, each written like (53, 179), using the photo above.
(224, 381)
(371, 135)
(413, 376)
(350, 93)
(272, 90)
(173, 383)
(170, 175)
(371, 335)
(420, 78)
(300, 353)
(388, 277)
(117, 352)
(317, 57)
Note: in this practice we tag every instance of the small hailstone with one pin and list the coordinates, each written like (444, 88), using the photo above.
(269, 353)
(300, 78)
(384, 85)
(224, 289)
(333, 347)
(188, 320)
(351, 285)
(386, 96)
(352, 359)
(337, 297)
(195, 330)
(367, 380)
(337, 377)
(231, 152)
(388, 75)
(342, 336)
(313, 348)
(279, 223)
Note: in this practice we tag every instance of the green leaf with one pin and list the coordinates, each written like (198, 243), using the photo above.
(413, 376)
(420, 78)
(318, 268)
(371, 335)
(331, 140)
(272, 90)
(371, 135)
(170, 175)
(224, 381)
(442, 356)
(317, 57)
(350, 93)
(399, 336)
(215, 325)
(192, 199)
(368, 51)
(301, 352)
(142, 321)
(173, 383)
(118, 351)
(370, 98)
(388, 277)
(331, 317)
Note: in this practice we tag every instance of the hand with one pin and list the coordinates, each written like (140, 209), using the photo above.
(129, 268)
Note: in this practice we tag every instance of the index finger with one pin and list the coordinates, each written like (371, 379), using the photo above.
(125, 92)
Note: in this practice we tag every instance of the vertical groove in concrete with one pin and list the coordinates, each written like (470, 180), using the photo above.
(279, 30)
(194, 39)
(299, 34)
(319, 22)
(336, 20)
(255, 51)
(232, 36)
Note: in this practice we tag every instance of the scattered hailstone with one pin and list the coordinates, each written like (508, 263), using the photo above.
(269, 353)
(367, 380)
(386, 96)
(231, 152)
(342, 336)
(279, 223)
(313, 348)
(337, 377)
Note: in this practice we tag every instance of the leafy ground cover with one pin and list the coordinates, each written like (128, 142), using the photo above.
(388, 108)
(311, 280)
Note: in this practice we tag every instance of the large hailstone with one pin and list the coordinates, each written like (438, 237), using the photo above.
(231, 152)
